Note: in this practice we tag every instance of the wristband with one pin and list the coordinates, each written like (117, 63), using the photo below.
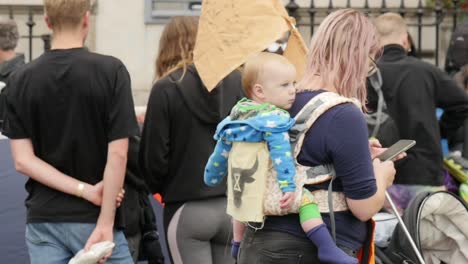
(80, 189)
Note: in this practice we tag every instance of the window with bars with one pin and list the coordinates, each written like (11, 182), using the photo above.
(160, 11)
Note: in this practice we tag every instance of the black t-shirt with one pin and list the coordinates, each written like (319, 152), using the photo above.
(71, 104)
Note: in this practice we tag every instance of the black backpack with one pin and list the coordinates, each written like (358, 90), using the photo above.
(379, 123)
(457, 53)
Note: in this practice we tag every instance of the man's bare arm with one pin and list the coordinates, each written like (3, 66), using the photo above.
(114, 175)
(27, 163)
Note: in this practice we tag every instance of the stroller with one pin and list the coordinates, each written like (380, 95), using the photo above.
(438, 225)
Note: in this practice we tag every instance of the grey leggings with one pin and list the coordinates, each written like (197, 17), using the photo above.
(200, 232)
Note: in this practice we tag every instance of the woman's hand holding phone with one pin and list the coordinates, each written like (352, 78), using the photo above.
(384, 171)
(395, 151)
(384, 168)
(376, 149)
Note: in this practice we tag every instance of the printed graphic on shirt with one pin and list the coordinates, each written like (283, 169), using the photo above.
(240, 177)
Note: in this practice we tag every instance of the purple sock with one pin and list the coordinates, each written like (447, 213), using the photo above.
(328, 252)
(235, 249)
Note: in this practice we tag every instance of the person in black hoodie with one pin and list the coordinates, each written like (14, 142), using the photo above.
(413, 90)
(177, 141)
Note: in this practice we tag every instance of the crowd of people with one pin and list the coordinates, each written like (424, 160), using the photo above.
(264, 137)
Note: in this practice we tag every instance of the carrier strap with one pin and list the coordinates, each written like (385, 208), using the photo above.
(311, 112)
(304, 121)
(330, 205)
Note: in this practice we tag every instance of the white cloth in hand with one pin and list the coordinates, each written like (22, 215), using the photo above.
(94, 254)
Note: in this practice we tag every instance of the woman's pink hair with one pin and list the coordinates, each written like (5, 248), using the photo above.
(339, 53)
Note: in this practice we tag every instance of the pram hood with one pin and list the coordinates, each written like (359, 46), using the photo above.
(443, 229)
(438, 224)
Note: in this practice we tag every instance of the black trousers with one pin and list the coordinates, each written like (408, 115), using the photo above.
(272, 247)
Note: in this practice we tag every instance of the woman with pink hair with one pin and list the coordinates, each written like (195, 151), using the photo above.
(340, 58)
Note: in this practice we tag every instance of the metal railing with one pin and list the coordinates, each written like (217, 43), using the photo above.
(310, 16)
(32, 12)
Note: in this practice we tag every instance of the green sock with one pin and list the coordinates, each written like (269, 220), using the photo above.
(309, 211)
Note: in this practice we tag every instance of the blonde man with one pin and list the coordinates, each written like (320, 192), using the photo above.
(69, 118)
(413, 90)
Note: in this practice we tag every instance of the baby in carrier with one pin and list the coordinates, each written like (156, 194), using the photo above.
(269, 83)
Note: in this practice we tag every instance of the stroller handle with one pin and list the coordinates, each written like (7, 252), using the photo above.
(403, 226)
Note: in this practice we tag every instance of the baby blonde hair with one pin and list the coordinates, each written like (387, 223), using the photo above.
(254, 69)
(339, 53)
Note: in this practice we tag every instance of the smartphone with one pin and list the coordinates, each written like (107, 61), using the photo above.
(396, 149)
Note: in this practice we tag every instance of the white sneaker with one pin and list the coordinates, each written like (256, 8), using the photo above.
(95, 253)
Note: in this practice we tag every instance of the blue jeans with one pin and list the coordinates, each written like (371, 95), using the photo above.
(57, 243)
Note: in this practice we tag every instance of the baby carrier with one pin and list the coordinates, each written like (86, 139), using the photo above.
(253, 189)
